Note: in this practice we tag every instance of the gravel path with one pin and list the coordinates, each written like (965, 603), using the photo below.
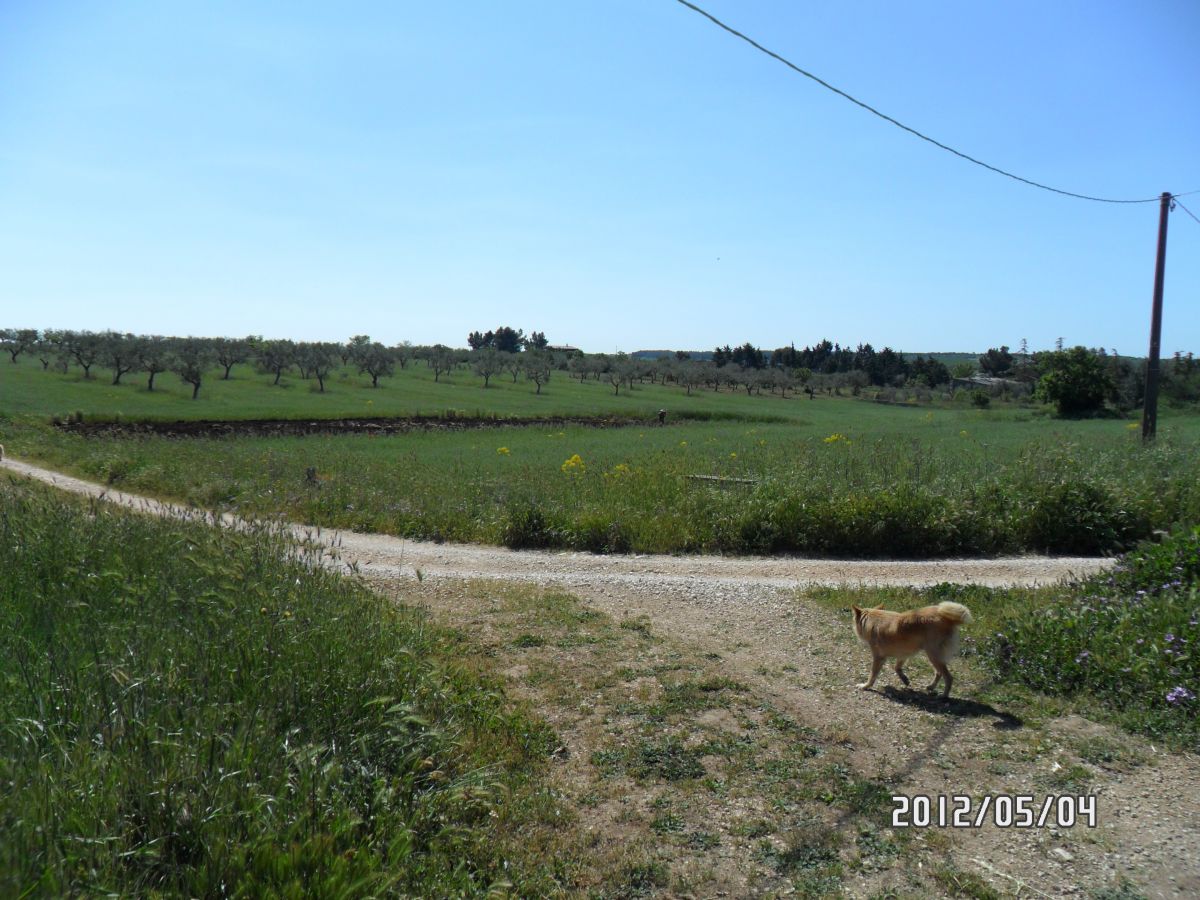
(802, 657)
(719, 579)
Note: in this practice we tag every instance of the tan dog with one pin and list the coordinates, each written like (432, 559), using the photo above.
(933, 629)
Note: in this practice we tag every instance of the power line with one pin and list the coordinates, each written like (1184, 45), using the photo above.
(898, 124)
(1184, 208)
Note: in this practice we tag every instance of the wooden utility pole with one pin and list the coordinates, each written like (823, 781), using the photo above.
(1150, 405)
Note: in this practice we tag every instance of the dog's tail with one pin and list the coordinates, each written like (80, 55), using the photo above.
(954, 612)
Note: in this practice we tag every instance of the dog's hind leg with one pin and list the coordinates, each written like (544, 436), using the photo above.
(876, 665)
(900, 670)
(942, 672)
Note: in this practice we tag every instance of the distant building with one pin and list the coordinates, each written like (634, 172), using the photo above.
(983, 381)
(563, 348)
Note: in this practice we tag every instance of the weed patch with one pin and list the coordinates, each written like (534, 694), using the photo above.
(666, 759)
(1130, 638)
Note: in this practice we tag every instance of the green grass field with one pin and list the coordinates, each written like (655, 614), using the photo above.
(730, 473)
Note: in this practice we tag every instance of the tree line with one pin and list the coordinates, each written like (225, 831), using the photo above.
(1078, 381)
(192, 358)
(882, 367)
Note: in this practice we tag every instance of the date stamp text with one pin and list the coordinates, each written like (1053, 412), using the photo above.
(1001, 810)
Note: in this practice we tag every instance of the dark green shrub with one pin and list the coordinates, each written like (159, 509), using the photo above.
(526, 527)
(597, 534)
(1081, 518)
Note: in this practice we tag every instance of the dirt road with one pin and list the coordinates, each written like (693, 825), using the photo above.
(801, 658)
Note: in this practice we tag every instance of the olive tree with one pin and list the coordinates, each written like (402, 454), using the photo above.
(276, 357)
(118, 352)
(231, 351)
(317, 360)
(538, 365)
(485, 362)
(154, 356)
(191, 358)
(441, 359)
(373, 359)
(16, 341)
(82, 346)
(403, 352)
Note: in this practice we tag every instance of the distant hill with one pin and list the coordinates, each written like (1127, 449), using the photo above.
(659, 354)
(947, 359)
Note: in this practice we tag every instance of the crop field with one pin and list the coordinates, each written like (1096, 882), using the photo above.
(759, 474)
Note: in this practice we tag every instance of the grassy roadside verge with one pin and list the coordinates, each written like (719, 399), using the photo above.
(195, 711)
(1123, 646)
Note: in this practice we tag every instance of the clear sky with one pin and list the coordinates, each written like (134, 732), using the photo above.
(619, 174)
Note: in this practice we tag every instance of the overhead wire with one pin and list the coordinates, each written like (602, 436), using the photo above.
(1185, 209)
(899, 124)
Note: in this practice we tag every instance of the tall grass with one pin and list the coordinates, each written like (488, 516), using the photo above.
(195, 711)
(933, 489)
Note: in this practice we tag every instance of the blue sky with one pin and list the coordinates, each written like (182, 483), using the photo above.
(617, 174)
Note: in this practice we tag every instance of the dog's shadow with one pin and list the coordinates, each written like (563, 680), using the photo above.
(952, 706)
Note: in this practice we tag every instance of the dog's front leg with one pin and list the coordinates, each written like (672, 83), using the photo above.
(876, 665)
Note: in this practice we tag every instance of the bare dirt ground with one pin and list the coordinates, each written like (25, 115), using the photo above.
(751, 619)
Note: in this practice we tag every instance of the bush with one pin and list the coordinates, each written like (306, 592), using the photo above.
(526, 528)
(596, 533)
(1074, 380)
(1080, 518)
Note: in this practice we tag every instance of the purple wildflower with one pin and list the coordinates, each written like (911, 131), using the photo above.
(1179, 694)
(1082, 656)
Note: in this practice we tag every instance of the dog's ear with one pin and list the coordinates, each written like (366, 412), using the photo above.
(880, 606)
(858, 613)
